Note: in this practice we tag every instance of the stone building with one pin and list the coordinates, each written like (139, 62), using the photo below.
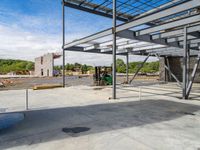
(176, 67)
(44, 65)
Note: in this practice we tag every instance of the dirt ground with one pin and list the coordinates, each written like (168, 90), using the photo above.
(28, 83)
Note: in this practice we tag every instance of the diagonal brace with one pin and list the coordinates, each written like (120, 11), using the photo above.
(168, 69)
(192, 77)
(139, 69)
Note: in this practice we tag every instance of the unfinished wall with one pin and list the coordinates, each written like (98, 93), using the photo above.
(44, 65)
(176, 68)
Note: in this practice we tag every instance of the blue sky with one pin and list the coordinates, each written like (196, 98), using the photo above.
(30, 28)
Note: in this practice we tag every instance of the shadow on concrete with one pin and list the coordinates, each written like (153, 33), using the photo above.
(46, 125)
(151, 93)
(154, 92)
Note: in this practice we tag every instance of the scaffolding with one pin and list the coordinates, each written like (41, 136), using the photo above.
(157, 28)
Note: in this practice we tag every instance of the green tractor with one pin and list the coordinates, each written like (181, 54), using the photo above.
(103, 76)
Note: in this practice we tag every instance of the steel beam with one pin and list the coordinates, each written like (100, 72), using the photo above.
(167, 5)
(63, 26)
(127, 68)
(93, 11)
(161, 14)
(173, 42)
(114, 47)
(163, 51)
(170, 25)
(176, 32)
(96, 51)
(147, 38)
(196, 34)
(139, 21)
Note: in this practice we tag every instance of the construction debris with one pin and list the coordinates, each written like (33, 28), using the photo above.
(46, 86)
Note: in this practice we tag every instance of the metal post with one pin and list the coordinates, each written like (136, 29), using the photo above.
(184, 85)
(114, 50)
(166, 75)
(127, 68)
(63, 23)
(188, 65)
(26, 99)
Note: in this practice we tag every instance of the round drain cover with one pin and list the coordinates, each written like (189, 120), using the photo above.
(75, 130)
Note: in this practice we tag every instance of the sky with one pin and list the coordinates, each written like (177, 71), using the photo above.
(31, 28)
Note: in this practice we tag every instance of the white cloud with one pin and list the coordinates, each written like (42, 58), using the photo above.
(18, 44)
(32, 36)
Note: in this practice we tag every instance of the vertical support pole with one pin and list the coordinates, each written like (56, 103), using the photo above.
(184, 64)
(127, 68)
(114, 50)
(166, 76)
(63, 50)
(26, 99)
(188, 65)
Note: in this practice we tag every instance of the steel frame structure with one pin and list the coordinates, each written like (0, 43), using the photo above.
(173, 29)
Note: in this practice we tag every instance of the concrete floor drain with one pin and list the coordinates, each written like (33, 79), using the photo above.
(75, 130)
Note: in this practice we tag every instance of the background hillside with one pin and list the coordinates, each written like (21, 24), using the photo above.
(8, 65)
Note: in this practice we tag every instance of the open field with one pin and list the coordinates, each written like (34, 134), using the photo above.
(156, 120)
(28, 83)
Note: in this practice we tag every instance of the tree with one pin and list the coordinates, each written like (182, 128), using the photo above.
(30, 66)
(77, 65)
(84, 68)
(121, 67)
(8, 65)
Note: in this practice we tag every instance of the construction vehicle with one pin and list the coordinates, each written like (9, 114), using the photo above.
(102, 76)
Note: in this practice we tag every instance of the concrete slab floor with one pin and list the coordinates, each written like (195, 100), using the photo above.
(159, 120)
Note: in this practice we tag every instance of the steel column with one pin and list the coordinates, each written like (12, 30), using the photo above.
(127, 68)
(188, 66)
(145, 19)
(114, 50)
(165, 62)
(63, 26)
(185, 48)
